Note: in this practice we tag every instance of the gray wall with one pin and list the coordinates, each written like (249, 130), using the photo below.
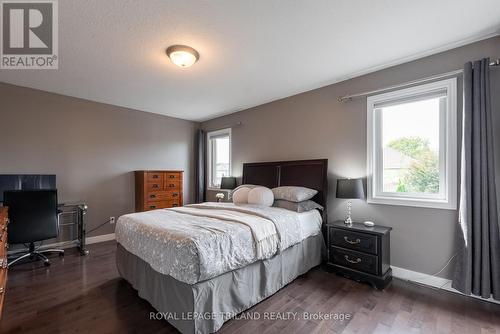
(315, 125)
(93, 148)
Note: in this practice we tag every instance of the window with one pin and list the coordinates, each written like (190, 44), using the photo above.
(412, 146)
(219, 156)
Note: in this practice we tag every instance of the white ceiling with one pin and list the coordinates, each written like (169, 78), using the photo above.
(251, 52)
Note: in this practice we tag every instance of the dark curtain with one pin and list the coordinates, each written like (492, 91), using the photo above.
(477, 270)
(200, 166)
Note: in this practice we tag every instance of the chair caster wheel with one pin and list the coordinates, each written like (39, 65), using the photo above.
(46, 263)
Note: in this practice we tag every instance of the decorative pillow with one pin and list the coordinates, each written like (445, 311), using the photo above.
(240, 195)
(261, 196)
(251, 186)
(294, 194)
(303, 206)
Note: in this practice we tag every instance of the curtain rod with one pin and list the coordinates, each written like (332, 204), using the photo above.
(349, 97)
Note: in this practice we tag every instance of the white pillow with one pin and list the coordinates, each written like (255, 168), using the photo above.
(261, 196)
(240, 196)
(294, 194)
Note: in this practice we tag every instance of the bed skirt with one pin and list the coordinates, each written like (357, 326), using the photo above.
(205, 306)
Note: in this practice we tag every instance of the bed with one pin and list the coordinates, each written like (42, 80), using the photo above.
(201, 265)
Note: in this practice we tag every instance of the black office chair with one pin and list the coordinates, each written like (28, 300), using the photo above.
(33, 217)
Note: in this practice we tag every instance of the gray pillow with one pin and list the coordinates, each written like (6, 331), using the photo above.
(303, 206)
(294, 194)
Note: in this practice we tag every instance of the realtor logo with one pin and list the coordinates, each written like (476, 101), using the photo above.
(29, 35)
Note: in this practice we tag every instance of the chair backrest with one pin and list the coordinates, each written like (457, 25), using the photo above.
(32, 215)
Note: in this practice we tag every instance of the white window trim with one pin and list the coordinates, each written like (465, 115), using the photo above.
(448, 142)
(210, 134)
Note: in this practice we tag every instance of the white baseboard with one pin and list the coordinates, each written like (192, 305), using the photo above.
(99, 238)
(432, 281)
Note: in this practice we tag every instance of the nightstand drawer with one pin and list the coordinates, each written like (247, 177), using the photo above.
(355, 260)
(357, 241)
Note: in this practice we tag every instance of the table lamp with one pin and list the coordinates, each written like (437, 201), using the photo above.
(350, 189)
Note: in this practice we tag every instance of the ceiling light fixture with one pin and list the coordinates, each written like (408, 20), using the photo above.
(182, 55)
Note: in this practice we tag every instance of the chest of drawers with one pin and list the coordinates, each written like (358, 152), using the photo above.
(158, 189)
(359, 252)
(4, 220)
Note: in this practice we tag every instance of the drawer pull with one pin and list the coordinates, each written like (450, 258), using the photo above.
(175, 204)
(2, 290)
(172, 176)
(155, 176)
(358, 260)
(175, 194)
(3, 264)
(152, 206)
(355, 242)
(171, 185)
(152, 196)
(155, 186)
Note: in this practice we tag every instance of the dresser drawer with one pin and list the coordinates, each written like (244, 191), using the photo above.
(355, 260)
(155, 177)
(3, 243)
(3, 282)
(153, 205)
(162, 195)
(171, 184)
(172, 176)
(353, 240)
(155, 186)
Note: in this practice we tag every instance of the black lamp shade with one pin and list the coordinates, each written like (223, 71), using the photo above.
(350, 188)
(228, 182)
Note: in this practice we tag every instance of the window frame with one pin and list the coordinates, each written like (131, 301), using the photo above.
(210, 152)
(447, 144)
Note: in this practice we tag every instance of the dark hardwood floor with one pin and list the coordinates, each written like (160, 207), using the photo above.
(85, 295)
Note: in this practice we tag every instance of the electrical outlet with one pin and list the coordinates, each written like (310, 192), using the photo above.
(111, 220)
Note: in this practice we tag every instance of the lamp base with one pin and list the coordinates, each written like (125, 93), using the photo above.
(348, 220)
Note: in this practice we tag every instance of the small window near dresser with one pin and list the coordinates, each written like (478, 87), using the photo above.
(412, 146)
(219, 156)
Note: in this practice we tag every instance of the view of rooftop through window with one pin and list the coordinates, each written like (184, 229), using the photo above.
(221, 156)
(410, 139)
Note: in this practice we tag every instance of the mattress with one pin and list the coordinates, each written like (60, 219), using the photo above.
(198, 242)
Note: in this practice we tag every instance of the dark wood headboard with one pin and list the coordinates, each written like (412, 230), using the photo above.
(306, 173)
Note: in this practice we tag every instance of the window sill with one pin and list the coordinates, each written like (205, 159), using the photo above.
(420, 203)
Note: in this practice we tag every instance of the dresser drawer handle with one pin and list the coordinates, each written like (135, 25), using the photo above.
(155, 176)
(358, 260)
(172, 176)
(355, 242)
(3, 264)
(175, 204)
(175, 194)
(155, 186)
(152, 196)
(171, 185)
(2, 290)
(152, 206)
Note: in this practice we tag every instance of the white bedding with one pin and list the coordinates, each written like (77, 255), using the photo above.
(198, 242)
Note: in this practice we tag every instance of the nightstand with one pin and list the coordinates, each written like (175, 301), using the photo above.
(360, 252)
